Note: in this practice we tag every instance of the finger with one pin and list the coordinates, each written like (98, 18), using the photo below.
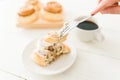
(99, 1)
(101, 6)
(111, 10)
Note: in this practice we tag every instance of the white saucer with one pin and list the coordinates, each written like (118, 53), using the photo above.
(59, 66)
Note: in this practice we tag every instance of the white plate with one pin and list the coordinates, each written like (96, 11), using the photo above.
(59, 66)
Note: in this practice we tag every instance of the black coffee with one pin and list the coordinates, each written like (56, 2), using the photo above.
(87, 25)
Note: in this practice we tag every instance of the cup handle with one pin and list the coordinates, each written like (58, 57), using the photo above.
(99, 36)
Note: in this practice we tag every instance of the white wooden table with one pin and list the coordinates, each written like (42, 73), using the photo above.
(94, 61)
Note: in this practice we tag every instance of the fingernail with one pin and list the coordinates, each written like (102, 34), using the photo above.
(92, 14)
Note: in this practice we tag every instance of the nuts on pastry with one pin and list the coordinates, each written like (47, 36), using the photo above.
(53, 7)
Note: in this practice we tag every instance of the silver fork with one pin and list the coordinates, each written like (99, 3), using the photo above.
(72, 24)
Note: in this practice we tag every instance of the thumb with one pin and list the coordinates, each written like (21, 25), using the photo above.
(100, 6)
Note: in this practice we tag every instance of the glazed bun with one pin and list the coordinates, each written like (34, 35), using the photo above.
(35, 3)
(52, 12)
(53, 7)
(27, 14)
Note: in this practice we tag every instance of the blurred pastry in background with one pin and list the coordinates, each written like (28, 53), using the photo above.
(52, 11)
(47, 51)
(27, 14)
(35, 3)
(35, 15)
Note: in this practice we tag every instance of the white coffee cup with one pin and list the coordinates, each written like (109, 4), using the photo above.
(86, 35)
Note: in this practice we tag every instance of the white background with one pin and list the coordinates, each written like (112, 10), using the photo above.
(94, 62)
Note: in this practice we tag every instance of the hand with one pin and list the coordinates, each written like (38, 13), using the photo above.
(107, 7)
